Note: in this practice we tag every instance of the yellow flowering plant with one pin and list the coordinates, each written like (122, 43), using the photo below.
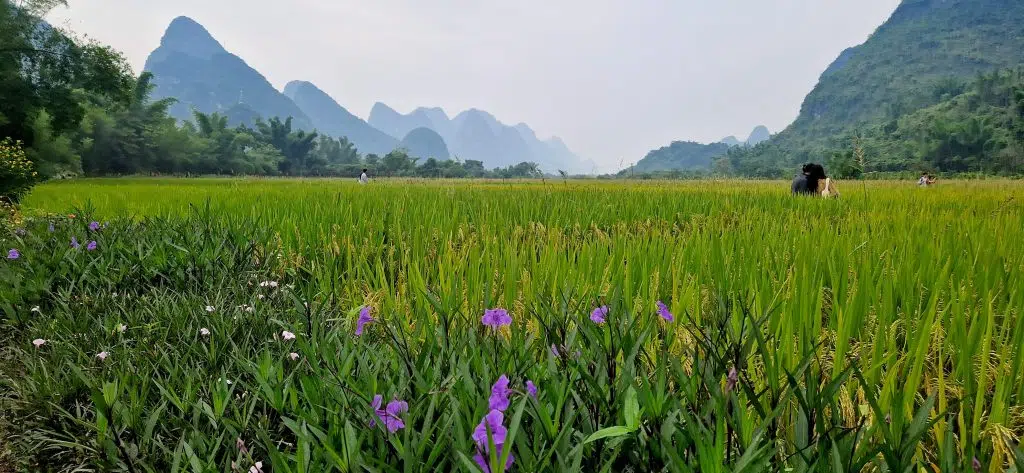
(17, 172)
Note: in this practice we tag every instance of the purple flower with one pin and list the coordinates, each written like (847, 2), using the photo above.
(240, 444)
(94, 226)
(74, 243)
(499, 394)
(13, 254)
(364, 318)
(554, 351)
(664, 313)
(482, 461)
(731, 379)
(390, 414)
(976, 465)
(91, 246)
(492, 421)
(496, 318)
(51, 227)
(599, 314)
(531, 389)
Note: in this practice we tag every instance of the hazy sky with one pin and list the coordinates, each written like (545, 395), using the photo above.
(613, 78)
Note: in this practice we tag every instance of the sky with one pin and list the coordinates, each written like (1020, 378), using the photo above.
(613, 78)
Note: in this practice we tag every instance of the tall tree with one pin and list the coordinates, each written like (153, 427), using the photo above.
(295, 146)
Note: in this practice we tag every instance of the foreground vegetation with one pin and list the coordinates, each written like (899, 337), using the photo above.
(222, 326)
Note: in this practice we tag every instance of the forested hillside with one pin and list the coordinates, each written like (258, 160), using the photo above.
(680, 155)
(927, 53)
(977, 127)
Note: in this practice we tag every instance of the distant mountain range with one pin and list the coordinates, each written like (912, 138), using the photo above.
(331, 118)
(731, 141)
(759, 135)
(194, 68)
(478, 135)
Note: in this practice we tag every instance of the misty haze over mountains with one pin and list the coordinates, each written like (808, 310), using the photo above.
(759, 135)
(476, 134)
(194, 68)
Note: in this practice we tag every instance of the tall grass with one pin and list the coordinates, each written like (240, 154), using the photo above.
(810, 335)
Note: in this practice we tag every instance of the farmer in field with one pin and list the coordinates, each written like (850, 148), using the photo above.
(806, 183)
(363, 178)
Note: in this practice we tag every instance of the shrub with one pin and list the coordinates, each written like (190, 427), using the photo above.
(17, 173)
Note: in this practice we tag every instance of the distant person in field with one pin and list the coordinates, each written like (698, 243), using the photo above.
(806, 183)
(925, 180)
(363, 178)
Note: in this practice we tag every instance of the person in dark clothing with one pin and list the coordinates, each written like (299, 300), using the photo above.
(800, 184)
(806, 183)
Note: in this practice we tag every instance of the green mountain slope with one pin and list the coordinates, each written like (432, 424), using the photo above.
(981, 130)
(680, 155)
(331, 118)
(925, 53)
(192, 67)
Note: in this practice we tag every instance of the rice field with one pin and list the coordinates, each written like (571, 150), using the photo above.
(557, 326)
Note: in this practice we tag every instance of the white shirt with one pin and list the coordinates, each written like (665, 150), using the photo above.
(363, 178)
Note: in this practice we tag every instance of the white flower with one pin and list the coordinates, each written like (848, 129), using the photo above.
(270, 284)
(113, 294)
(286, 335)
(102, 355)
(227, 381)
(204, 332)
(257, 468)
(247, 308)
(121, 328)
(210, 308)
(36, 310)
(294, 356)
(39, 342)
(260, 296)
